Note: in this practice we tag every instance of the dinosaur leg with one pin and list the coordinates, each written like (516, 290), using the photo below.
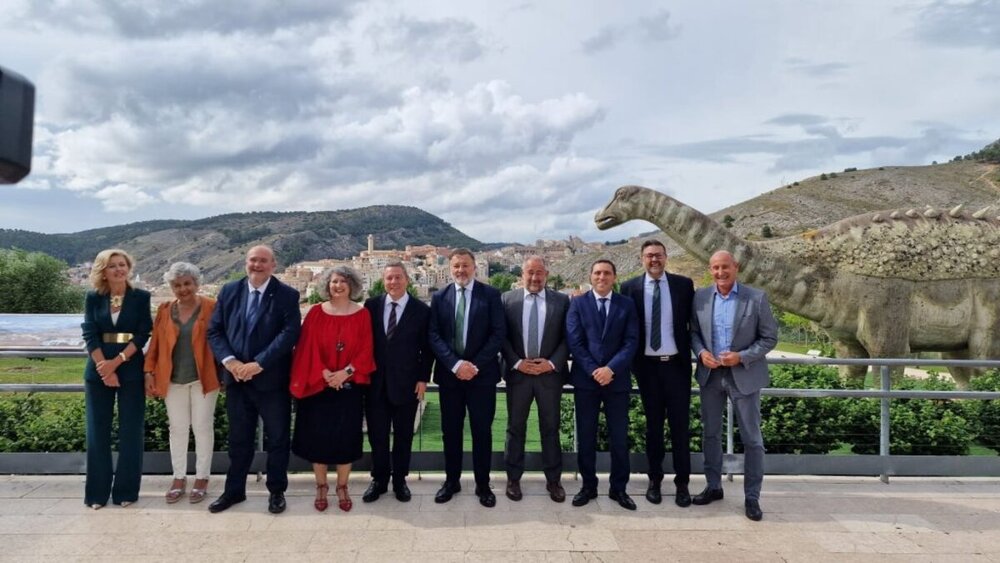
(851, 349)
(883, 328)
(960, 375)
(984, 338)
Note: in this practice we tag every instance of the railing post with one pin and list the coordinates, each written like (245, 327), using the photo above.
(883, 435)
(730, 446)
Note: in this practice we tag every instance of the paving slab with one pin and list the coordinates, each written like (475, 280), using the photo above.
(808, 519)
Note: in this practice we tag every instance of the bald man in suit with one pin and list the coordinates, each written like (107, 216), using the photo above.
(732, 330)
(535, 354)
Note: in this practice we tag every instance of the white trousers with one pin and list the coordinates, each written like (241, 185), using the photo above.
(190, 409)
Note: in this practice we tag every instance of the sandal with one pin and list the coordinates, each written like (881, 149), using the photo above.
(176, 492)
(321, 503)
(198, 493)
(345, 501)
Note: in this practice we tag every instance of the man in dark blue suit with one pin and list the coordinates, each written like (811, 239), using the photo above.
(602, 331)
(253, 330)
(467, 329)
(403, 358)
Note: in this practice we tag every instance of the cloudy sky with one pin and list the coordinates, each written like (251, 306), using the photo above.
(512, 120)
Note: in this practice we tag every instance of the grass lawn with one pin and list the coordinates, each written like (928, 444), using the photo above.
(793, 348)
(41, 370)
(428, 437)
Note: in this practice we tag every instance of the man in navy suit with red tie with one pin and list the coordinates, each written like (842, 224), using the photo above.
(403, 358)
(253, 330)
(466, 331)
(602, 331)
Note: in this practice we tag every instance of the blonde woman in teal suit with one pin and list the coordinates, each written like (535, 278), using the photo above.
(116, 325)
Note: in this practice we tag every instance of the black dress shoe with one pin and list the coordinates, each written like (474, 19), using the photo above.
(514, 490)
(224, 502)
(556, 491)
(276, 503)
(402, 492)
(706, 496)
(623, 500)
(374, 490)
(753, 510)
(653, 493)
(447, 491)
(486, 496)
(584, 496)
(683, 497)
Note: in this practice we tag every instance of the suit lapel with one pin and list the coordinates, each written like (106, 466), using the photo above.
(378, 322)
(705, 318)
(449, 311)
(741, 309)
(517, 327)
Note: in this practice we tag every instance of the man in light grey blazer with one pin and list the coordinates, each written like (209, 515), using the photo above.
(732, 328)
(535, 354)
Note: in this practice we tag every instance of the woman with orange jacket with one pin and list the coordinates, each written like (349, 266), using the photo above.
(181, 369)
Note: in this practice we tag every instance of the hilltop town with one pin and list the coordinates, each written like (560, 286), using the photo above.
(427, 264)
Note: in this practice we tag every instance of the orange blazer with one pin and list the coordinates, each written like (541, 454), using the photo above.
(159, 358)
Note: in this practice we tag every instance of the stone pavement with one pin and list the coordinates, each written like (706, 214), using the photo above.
(808, 519)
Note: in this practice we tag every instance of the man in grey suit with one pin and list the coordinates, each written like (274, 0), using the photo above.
(732, 329)
(535, 354)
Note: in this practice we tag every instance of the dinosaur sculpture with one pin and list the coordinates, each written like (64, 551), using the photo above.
(881, 284)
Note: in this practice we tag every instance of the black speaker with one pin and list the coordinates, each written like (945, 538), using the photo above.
(17, 120)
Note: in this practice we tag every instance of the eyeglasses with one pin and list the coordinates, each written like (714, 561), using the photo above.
(658, 256)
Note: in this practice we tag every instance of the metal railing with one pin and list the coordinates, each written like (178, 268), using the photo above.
(883, 465)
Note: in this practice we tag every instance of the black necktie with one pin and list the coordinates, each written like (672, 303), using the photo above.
(392, 321)
(655, 328)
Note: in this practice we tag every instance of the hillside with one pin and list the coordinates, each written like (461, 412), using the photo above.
(217, 244)
(815, 202)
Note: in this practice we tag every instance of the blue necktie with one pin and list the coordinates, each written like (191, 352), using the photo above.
(533, 327)
(254, 308)
(603, 310)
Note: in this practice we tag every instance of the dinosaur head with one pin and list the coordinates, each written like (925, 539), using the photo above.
(619, 209)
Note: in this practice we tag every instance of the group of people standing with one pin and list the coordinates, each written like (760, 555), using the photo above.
(348, 362)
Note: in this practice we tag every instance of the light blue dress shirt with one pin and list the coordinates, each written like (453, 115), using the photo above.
(723, 311)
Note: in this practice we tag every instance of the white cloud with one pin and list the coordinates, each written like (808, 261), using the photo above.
(498, 118)
(123, 197)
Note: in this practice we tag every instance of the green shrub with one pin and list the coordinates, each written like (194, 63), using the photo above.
(986, 414)
(636, 426)
(806, 426)
(917, 426)
(33, 423)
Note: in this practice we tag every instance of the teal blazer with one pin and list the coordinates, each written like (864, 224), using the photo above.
(135, 317)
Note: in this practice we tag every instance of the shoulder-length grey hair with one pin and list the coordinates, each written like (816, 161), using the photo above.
(353, 281)
(181, 269)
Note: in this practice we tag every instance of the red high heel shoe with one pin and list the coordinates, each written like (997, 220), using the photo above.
(345, 501)
(321, 503)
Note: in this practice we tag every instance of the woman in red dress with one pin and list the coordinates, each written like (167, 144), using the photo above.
(332, 358)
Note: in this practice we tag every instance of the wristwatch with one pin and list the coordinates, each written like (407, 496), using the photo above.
(123, 357)
(349, 370)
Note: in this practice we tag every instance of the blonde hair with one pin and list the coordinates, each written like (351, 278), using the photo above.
(97, 278)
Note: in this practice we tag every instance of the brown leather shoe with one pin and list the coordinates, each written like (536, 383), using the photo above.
(514, 489)
(556, 491)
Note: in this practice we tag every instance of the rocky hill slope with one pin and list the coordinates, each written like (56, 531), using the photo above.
(217, 244)
(815, 202)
